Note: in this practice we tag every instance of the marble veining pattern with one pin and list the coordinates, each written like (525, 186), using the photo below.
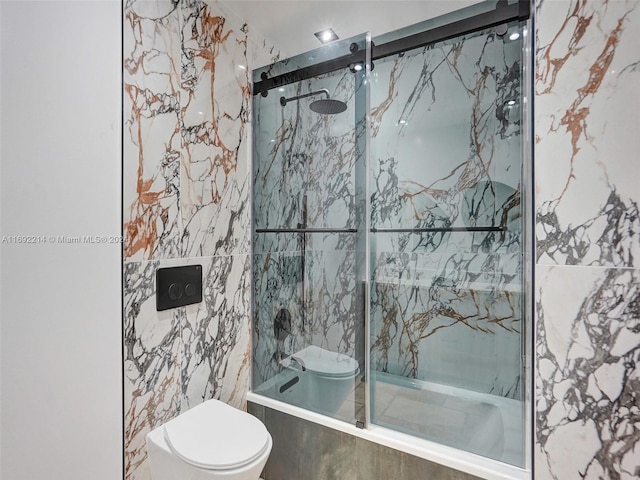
(587, 240)
(433, 321)
(152, 142)
(187, 104)
(446, 152)
(186, 201)
(588, 380)
(586, 128)
(215, 335)
(178, 358)
(304, 177)
(215, 119)
(152, 353)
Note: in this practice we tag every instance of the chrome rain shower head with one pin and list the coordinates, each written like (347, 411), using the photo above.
(325, 106)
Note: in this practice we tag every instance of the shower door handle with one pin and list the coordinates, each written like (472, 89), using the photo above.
(438, 229)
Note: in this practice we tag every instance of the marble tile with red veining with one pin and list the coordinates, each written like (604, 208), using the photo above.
(587, 134)
(151, 144)
(215, 118)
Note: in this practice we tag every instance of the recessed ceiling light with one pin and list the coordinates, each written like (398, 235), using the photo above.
(327, 35)
(514, 36)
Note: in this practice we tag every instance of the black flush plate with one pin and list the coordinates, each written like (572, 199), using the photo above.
(178, 286)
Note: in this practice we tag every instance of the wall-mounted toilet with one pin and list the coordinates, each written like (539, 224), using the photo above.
(209, 442)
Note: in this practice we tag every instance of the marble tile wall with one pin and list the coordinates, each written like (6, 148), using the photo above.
(305, 161)
(587, 189)
(186, 201)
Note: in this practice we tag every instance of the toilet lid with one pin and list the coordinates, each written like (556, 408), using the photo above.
(214, 435)
(327, 363)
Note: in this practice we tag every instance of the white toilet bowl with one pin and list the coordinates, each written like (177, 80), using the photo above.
(209, 442)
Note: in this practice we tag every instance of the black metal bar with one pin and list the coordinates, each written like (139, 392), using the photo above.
(305, 73)
(438, 229)
(382, 230)
(303, 240)
(306, 230)
(503, 13)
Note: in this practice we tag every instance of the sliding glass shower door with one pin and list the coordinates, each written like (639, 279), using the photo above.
(446, 285)
(309, 259)
(388, 227)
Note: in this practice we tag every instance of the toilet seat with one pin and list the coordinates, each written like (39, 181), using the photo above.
(216, 436)
(327, 364)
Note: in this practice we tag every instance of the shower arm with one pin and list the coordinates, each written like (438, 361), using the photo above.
(283, 101)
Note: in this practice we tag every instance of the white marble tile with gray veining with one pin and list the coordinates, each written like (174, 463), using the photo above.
(215, 116)
(152, 359)
(186, 200)
(587, 380)
(216, 335)
(587, 340)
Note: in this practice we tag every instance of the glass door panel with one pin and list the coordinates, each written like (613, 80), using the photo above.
(308, 215)
(446, 307)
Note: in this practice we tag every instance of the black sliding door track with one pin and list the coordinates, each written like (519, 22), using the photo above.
(503, 13)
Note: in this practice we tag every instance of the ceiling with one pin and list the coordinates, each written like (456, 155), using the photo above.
(290, 24)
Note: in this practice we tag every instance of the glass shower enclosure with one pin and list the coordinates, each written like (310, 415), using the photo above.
(389, 231)
(309, 237)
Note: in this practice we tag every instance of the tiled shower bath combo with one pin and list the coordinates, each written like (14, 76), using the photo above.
(410, 231)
